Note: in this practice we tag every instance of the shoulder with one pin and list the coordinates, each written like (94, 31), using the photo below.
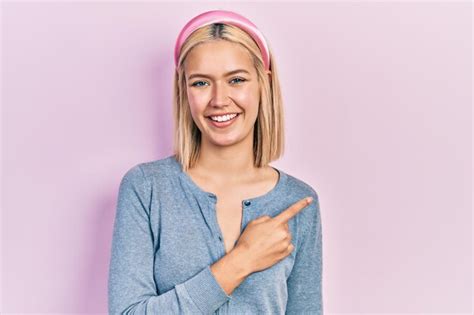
(164, 167)
(142, 179)
(145, 177)
(296, 189)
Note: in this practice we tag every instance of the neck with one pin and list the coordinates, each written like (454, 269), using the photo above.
(234, 162)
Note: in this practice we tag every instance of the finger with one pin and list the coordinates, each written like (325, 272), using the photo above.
(289, 213)
(290, 248)
(262, 218)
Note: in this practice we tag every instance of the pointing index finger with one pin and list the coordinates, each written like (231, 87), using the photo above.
(293, 210)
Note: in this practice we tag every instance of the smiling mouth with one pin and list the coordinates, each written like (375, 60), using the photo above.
(223, 121)
(222, 124)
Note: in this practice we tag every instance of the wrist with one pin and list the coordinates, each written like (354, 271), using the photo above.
(240, 262)
(230, 270)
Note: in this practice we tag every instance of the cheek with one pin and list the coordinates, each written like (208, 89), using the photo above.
(192, 99)
(195, 103)
(248, 97)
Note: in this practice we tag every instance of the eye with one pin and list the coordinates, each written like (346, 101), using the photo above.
(196, 83)
(241, 79)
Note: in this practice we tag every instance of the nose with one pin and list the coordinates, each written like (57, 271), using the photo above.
(220, 95)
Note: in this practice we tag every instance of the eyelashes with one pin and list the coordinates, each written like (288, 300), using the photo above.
(197, 82)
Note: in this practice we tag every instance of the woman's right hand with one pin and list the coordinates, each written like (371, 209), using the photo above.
(266, 240)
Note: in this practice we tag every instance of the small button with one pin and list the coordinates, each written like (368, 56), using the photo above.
(220, 238)
(247, 203)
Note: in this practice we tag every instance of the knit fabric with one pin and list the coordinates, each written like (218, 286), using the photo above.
(166, 236)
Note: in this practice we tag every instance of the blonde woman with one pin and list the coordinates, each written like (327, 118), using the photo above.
(213, 228)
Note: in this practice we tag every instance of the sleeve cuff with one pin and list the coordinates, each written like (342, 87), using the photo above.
(206, 292)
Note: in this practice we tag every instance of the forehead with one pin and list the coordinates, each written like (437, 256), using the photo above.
(218, 56)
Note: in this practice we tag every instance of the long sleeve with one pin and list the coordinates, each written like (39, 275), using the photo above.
(131, 285)
(305, 280)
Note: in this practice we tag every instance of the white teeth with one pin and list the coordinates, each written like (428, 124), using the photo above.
(223, 118)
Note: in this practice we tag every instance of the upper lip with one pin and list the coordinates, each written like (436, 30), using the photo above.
(221, 114)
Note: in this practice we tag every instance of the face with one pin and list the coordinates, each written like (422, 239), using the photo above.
(221, 79)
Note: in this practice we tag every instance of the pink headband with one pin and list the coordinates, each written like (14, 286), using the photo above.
(221, 16)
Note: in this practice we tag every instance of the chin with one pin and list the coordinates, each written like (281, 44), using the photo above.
(223, 140)
(224, 143)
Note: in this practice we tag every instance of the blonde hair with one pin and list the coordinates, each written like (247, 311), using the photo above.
(268, 138)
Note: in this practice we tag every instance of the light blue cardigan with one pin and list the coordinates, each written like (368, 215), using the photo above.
(166, 237)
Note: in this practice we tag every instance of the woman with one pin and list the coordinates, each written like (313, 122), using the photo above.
(213, 228)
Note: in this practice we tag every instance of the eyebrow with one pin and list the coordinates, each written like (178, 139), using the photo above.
(210, 77)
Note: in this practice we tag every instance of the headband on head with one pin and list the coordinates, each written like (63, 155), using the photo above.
(226, 17)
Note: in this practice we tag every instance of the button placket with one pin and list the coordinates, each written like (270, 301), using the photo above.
(213, 198)
(245, 205)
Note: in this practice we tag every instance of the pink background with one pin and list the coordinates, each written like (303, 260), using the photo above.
(378, 115)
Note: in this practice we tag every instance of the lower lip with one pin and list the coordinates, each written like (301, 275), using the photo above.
(223, 124)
